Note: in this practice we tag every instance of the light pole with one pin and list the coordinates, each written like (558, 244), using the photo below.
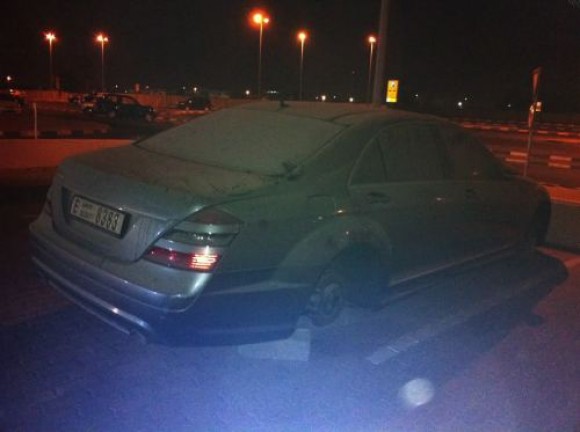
(102, 39)
(372, 41)
(260, 19)
(302, 36)
(50, 37)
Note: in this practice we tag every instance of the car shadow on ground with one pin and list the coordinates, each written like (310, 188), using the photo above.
(410, 351)
(486, 302)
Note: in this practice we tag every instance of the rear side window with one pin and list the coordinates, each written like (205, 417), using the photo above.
(411, 153)
(468, 158)
(261, 142)
(370, 168)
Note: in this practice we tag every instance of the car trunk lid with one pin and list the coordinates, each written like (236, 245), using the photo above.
(148, 193)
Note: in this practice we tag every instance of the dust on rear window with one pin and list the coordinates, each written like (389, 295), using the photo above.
(261, 142)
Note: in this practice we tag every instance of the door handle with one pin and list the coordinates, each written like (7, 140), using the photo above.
(378, 197)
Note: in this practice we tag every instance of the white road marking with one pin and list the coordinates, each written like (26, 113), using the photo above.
(556, 161)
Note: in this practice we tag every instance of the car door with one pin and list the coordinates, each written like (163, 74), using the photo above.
(399, 183)
(126, 106)
(491, 205)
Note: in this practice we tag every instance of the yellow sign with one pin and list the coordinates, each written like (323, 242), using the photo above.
(392, 90)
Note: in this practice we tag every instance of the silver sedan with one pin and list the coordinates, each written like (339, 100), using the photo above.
(239, 222)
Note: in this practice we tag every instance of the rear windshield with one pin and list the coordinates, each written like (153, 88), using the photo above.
(262, 142)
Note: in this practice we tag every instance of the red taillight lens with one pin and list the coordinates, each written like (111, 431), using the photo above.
(196, 243)
(186, 261)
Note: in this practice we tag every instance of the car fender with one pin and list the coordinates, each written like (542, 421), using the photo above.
(335, 236)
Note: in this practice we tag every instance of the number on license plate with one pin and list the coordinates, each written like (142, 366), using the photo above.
(98, 215)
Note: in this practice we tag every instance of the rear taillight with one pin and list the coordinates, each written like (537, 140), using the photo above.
(183, 260)
(197, 243)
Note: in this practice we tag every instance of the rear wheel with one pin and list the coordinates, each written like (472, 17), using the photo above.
(328, 299)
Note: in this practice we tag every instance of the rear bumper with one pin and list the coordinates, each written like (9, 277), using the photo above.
(228, 309)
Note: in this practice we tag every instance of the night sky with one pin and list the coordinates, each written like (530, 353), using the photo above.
(439, 49)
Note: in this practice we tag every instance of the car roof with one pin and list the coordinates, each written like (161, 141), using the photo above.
(267, 137)
(347, 114)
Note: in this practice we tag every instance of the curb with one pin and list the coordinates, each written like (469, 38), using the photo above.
(520, 157)
(62, 133)
(564, 230)
(559, 130)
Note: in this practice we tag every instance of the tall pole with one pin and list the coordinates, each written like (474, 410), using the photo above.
(50, 37)
(51, 79)
(260, 19)
(102, 39)
(301, 37)
(536, 74)
(372, 41)
(103, 66)
(260, 60)
(380, 67)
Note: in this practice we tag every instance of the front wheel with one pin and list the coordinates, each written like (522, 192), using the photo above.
(328, 299)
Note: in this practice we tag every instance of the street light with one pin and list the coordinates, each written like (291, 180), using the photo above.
(50, 37)
(372, 41)
(102, 39)
(302, 36)
(260, 19)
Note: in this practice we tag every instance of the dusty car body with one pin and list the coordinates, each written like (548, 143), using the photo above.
(198, 103)
(243, 220)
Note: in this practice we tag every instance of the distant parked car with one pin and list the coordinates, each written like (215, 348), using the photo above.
(197, 103)
(87, 102)
(248, 217)
(75, 99)
(121, 106)
(11, 103)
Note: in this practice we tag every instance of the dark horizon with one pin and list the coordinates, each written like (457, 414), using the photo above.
(441, 51)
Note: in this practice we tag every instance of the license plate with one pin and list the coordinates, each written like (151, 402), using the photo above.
(103, 217)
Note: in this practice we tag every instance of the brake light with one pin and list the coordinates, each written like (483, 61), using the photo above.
(186, 261)
(196, 243)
